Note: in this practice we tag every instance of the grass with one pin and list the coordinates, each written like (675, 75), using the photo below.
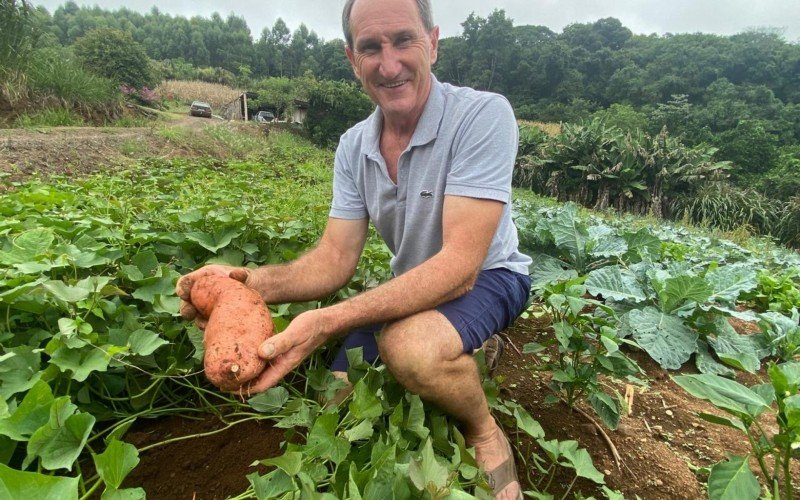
(185, 92)
(55, 117)
(550, 129)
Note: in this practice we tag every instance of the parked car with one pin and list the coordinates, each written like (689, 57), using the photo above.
(200, 108)
(264, 117)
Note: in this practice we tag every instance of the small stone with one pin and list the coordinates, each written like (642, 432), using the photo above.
(659, 482)
(607, 472)
(669, 413)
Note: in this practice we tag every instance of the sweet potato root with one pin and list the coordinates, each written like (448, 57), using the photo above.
(238, 322)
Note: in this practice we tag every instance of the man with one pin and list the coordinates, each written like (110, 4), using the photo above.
(431, 168)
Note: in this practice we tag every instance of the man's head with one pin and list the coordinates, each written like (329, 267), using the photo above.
(423, 7)
(392, 47)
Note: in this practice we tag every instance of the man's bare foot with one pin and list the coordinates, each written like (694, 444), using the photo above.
(493, 453)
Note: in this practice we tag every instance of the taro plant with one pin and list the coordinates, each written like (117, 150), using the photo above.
(773, 292)
(746, 405)
(588, 346)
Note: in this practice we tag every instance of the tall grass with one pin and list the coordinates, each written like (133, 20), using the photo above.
(215, 94)
(55, 74)
(16, 43)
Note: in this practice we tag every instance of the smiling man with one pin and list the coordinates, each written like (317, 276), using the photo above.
(431, 170)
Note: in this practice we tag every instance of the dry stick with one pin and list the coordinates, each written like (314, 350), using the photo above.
(507, 339)
(629, 393)
(606, 438)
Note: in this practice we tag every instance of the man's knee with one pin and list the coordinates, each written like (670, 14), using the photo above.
(417, 348)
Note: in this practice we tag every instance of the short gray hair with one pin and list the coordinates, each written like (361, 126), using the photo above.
(423, 7)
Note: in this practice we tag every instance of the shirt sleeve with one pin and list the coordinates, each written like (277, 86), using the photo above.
(484, 152)
(347, 202)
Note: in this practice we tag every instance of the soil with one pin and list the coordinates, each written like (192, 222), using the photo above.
(660, 442)
(75, 151)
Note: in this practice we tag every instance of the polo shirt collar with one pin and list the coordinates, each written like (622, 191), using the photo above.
(427, 127)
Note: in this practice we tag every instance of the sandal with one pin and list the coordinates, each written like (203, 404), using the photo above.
(493, 349)
(505, 473)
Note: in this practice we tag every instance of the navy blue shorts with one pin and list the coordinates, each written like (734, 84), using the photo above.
(498, 297)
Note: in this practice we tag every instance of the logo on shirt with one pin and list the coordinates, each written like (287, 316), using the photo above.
(426, 194)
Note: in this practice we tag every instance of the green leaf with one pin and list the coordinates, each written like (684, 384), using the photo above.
(59, 442)
(681, 289)
(426, 470)
(19, 372)
(581, 461)
(733, 480)
(734, 349)
(144, 342)
(716, 419)
(665, 337)
(527, 423)
(81, 361)
(124, 494)
(360, 432)
(613, 282)
(323, 441)
(569, 233)
(116, 462)
(28, 246)
(32, 413)
(725, 394)
(62, 291)
(290, 462)
(365, 404)
(643, 245)
(546, 269)
(272, 485)
(212, 243)
(416, 417)
(270, 401)
(24, 485)
(706, 363)
(606, 408)
(728, 282)
(161, 286)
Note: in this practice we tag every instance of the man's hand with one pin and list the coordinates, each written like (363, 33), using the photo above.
(286, 350)
(184, 288)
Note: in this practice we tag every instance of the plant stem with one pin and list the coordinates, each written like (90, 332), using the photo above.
(91, 490)
(192, 436)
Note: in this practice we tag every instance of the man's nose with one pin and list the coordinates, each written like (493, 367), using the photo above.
(390, 65)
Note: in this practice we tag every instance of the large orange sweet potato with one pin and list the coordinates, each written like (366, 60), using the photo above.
(238, 322)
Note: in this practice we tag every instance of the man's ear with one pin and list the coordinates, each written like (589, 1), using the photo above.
(434, 36)
(351, 57)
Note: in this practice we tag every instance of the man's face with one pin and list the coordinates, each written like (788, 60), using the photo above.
(392, 55)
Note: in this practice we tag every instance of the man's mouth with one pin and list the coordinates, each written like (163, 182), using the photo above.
(394, 85)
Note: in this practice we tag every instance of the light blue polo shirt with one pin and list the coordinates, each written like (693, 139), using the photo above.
(465, 144)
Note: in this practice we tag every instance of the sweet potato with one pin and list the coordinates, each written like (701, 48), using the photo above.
(238, 322)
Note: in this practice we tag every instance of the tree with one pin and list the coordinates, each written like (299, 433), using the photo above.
(115, 55)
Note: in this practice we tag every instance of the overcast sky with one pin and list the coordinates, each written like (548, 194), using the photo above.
(724, 17)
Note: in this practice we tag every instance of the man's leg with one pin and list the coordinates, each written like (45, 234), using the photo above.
(426, 355)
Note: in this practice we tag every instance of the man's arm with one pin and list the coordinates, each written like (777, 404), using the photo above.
(468, 225)
(319, 272)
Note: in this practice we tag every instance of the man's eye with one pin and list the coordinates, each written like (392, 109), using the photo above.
(405, 40)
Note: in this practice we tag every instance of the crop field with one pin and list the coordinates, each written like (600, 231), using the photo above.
(93, 354)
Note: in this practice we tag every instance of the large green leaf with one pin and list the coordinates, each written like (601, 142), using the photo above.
(725, 394)
(607, 408)
(290, 462)
(270, 401)
(28, 246)
(569, 233)
(580, 460)
(213, 242)
(733, 480)
(727, 282)
(16, 484)
(546, 269)
(426, 470)
(59, 442)
(323, 441)
(69, 294)
(271, 485)
(734, 349)
(81, 362)
(32, 413)
(365, 404)
(681, 289)
(665, 337)
(116, 462)
(615, 283)
(20, 371)
(706, 363)
(642, 245)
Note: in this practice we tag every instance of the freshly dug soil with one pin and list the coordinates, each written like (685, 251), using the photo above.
(204, 468)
